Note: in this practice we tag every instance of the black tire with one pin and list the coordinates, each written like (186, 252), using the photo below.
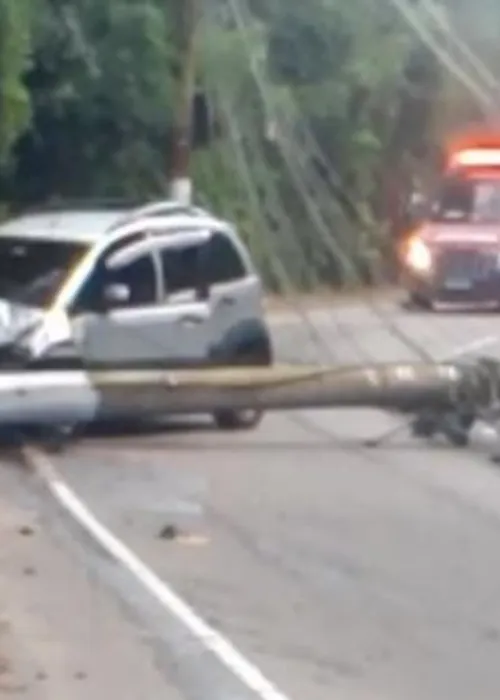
(457, 437)
(425, 426)
(457, 429)
(245, 419)
(418, 302)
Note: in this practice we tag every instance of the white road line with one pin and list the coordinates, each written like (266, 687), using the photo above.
(223, 650)
(474, 346)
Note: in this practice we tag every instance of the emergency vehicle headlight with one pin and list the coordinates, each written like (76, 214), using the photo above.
(419, 256)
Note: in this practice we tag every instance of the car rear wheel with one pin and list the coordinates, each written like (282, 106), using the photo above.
(246, 419)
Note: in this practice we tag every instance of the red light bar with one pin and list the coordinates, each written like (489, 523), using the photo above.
(475, 157)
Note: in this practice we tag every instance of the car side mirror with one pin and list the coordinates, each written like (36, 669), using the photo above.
(114, 295)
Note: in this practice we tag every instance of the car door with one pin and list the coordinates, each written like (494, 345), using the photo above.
(140, 330)
(185, 292)
(235, 290)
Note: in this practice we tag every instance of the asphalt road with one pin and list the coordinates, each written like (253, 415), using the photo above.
(338, 571)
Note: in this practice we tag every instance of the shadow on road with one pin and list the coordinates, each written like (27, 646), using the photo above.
(145, 428)
(200, 434)
(204, 436)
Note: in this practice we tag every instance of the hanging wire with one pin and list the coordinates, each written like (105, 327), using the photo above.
(482, 95)
(437, 15)
(295, 167)
(296, 154)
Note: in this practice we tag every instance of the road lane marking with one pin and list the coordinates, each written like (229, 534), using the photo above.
(221, 648)
(474, 346)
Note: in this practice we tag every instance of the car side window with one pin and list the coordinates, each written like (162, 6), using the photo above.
(139, 276)
(181, 269)
(223, 260)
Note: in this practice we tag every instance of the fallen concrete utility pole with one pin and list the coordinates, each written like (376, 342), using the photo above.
(41, 397)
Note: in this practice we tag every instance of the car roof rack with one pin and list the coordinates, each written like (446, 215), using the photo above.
(132, 209)
(167, 207)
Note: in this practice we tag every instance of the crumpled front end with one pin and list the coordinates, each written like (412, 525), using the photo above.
(30, 337)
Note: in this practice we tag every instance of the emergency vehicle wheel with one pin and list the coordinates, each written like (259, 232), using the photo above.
(419, 303)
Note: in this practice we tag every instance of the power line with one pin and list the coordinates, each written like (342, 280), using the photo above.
(411, 17)
(485, 75)
(295, 167)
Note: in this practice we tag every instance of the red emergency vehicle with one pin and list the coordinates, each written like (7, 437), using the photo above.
(452, 257)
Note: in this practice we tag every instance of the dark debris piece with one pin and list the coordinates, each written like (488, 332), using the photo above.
(169, 532)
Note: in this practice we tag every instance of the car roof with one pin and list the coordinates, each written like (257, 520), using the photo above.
(88, 227)
(75, 226)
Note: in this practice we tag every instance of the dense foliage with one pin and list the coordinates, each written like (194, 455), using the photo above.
(324, 110)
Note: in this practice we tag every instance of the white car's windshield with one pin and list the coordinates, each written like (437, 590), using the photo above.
(470, 201)
(31, 271)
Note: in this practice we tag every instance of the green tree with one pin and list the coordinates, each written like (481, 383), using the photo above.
(336, 105)
(15, 48)
(101, 92)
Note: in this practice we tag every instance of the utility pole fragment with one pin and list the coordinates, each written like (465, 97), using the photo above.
(181, 188)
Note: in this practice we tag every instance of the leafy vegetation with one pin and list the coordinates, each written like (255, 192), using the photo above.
(324, 110)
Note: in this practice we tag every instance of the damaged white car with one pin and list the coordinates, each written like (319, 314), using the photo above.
(161, 286)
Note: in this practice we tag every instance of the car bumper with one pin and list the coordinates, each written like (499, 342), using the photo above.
(470, 292)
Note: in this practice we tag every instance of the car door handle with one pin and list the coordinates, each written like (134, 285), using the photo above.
(191, 319)
(228, 301)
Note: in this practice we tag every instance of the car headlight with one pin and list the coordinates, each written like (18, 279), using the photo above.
(419, 256)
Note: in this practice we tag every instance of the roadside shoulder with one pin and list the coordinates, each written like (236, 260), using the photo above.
(62, 635)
